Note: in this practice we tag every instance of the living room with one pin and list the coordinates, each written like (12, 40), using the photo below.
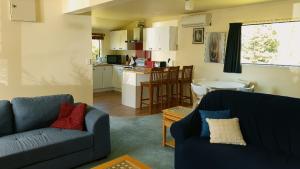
(52, 55)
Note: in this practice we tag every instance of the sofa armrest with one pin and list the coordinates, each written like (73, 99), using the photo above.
(186, 127)
(97, 122)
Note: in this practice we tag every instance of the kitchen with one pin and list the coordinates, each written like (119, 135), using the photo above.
(118, 72)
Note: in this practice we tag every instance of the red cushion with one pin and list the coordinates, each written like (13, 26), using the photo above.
(70, 116)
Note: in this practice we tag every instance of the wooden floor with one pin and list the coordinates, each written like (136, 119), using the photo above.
(111, 102)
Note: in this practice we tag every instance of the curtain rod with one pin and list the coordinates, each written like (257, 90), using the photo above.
(271, 21)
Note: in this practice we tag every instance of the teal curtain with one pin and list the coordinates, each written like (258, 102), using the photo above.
(232, 62)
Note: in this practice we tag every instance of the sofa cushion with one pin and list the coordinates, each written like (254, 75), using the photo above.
(37, 112)
(219, 114)
(6, 118)
(71, 120)
(22, 149)
(225, 131)
(196, 150)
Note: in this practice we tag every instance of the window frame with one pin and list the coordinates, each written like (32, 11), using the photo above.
(267, 65)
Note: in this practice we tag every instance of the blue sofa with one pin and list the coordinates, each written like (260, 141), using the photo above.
(27, 142)
(270, 125)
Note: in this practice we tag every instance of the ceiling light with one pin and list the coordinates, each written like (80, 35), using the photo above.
(189, 5)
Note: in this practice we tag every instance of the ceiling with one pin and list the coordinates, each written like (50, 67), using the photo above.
(117, 13)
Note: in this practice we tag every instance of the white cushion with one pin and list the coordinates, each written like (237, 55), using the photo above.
(225, 131)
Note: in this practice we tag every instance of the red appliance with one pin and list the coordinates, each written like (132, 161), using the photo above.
(149, 64)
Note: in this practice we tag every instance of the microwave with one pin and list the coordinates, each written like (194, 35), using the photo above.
(114, 59)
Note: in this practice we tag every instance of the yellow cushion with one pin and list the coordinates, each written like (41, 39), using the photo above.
(225, 131)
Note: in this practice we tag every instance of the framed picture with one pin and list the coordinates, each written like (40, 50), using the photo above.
(198, 36)
(215, 43)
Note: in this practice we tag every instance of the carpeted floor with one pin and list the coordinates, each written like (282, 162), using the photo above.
(141, 138)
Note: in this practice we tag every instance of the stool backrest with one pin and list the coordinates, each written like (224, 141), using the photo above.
(156, 74)
(187, 73)
(173, 74)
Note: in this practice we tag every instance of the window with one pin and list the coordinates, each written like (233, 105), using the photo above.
(97, 44)
(96, 48)
(271, 44)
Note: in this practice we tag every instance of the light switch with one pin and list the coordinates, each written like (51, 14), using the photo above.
(23, 10)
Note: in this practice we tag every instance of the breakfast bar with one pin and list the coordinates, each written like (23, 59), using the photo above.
(131, 85)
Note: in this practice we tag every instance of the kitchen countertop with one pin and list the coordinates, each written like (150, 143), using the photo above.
(106, 64)
(138, 70)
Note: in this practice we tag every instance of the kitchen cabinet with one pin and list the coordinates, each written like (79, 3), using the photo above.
(97, 77)
(107, 76)
(117, 77)
(117, 40)
(160, 38)
(148, 39)
(102, 77)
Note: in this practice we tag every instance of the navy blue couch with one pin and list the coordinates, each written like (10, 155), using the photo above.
(270, 126)
(27, 142)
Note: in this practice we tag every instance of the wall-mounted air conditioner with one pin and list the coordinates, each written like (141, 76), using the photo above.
(198, 20)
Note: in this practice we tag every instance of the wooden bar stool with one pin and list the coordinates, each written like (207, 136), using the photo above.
(164, 88)
(155, 81)
(186, 80)
(173, 84)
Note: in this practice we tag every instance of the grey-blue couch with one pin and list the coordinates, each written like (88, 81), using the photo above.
(27, 142)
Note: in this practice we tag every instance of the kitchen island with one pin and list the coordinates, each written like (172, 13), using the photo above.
(131, 86)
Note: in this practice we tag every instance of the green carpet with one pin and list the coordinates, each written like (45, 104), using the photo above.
(139, 137)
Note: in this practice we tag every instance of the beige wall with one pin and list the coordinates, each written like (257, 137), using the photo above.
(47, 57)
(270, 79)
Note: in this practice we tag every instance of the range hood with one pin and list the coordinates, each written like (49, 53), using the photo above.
(136, 33)
(137, 36)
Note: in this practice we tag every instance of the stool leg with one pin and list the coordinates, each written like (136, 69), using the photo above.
(177, 94)
(167, 94)
(157, 95)
(150, 98)
(181, 93)
(171, 96)
(191, 96)
(141, 100)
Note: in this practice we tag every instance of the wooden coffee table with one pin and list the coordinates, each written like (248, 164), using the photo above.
(123, 162)
(170, 116)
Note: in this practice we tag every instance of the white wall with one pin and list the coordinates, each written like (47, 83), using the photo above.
(47, 57)
(270, 79)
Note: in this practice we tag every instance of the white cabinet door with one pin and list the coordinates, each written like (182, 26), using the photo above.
(114, 40)
(160, 38)
(173, 38)
(162, 41)
(123, 38)
(107, 76)
(97, 77)
(117, 40)
(117, 76)
(148, 36)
